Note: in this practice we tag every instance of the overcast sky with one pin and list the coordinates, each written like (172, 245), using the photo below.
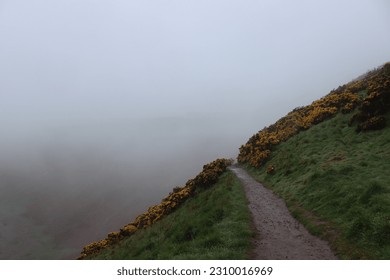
(77, 60)
(106, 105)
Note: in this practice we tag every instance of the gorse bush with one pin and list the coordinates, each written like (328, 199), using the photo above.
(372, 123)
(370, 95)
(376, 104)
(205, 179)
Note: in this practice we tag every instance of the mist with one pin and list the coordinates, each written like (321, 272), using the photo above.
(64, 189)
(106, 106)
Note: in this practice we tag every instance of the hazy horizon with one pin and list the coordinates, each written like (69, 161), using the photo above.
(105, 106)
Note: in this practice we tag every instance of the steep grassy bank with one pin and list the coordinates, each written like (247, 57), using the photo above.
(337, 182)
(205, 179)
(369, 94)
(213, 224)
(329, 160)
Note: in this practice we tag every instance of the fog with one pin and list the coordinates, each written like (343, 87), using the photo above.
(105, 106)
(64, 189)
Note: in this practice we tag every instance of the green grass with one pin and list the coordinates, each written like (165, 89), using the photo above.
(337, 182)
(214, 224)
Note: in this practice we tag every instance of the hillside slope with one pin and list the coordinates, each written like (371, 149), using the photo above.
(214, 224)
(370, 95)
(216, 214)
(330, 162)
(337, 182)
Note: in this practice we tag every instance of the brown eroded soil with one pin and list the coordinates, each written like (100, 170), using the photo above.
(279, 235)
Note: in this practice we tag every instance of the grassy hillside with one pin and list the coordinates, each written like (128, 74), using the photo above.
(213, 224)
(368, 98)
(205, 179)
(330, 161)
(338, 183)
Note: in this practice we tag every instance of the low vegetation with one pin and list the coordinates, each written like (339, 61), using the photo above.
(202, 181)
(214, 224)
(330, 162)
(337, 182)
(370, 94)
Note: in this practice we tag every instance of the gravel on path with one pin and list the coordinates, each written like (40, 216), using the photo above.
(279, 235)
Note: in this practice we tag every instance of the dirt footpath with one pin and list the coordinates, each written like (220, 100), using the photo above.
(279, 235)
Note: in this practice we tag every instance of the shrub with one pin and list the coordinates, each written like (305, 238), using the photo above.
(376, 103)
(373, 123)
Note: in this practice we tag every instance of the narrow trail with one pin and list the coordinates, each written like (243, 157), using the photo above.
(279, 235)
